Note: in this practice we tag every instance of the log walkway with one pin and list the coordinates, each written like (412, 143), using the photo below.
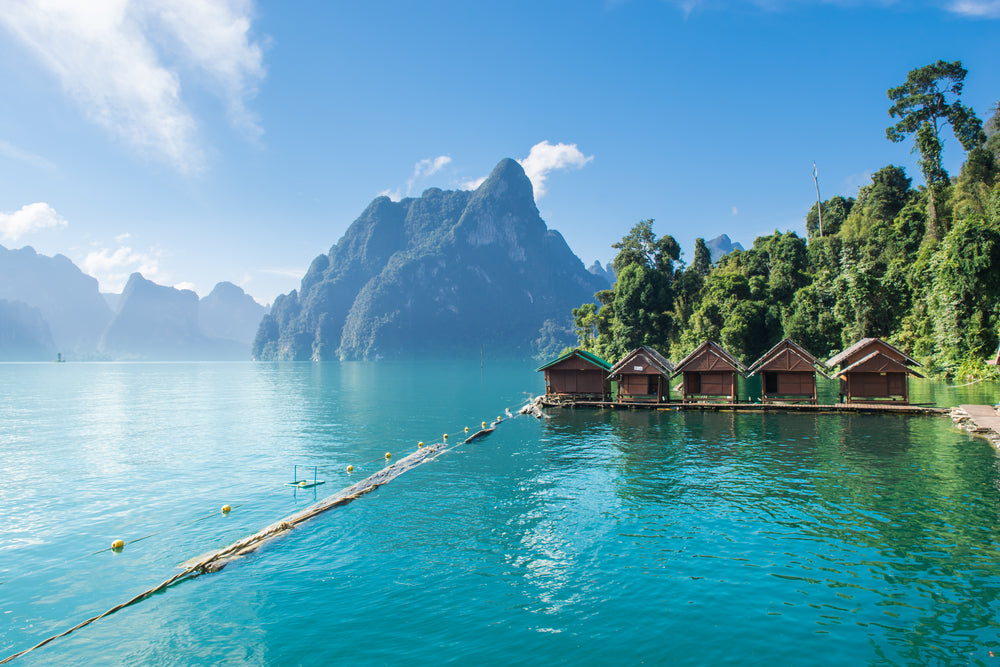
(883, 408)
(982, 420)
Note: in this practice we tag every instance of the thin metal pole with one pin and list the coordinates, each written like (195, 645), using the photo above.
(819, 202)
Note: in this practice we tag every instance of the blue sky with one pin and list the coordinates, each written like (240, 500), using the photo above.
(236, 140)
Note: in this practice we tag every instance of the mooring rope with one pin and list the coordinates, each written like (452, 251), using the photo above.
(216, 560)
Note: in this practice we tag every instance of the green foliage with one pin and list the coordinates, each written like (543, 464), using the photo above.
(835, 212)
(919, 267)
(922, 106)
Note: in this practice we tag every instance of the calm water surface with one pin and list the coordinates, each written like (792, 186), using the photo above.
(593, 537)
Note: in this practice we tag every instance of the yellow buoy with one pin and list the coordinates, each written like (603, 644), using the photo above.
(118, 545)
(466, 429)
(420, 444)
(350, 468)
(445, 436)
(484, 424)
(226, 509)
(388, 455)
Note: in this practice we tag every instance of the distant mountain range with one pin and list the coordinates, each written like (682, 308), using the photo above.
(448, 273)
(49, 307)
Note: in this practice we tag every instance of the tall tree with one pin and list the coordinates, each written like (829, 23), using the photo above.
(702, 262)
(923, 108)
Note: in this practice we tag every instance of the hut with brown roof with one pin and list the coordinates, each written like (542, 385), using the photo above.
(709, 374)
(787, 373)
(873, 370)
(577, 374)
(643, 375)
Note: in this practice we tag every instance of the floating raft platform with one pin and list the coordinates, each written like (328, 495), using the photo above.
(856, 407)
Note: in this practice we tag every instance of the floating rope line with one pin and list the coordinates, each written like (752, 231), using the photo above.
(956, 386)
(218, 559)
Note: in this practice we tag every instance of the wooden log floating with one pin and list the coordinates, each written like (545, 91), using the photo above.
(218, 559)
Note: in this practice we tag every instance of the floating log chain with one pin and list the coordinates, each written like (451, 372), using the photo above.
(218, 559)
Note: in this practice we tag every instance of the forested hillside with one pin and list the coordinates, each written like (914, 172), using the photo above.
(916, 265)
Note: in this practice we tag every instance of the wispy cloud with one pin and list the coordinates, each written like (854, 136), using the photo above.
(426, 167)
(121, 62)
(12, 152)
(544, 158)
(112, 268)
(421, 170)
(28, 219)
(286, 272)
(472, 183)
(986, 9)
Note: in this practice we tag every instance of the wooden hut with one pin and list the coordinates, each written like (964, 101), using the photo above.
(577, 374)
(643, 375)
(787, 373)
(709, 374)
(873, 370)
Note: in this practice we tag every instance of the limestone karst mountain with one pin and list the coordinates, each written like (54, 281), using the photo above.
(448, 273)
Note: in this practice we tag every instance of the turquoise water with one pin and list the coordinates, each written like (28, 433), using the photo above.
(593, 537)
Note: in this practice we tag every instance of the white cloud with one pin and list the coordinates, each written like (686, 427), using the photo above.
(29, 218)
(394, 195)
(544, 158)
(113, 267)
(989, 9)
(186, 285)
(424, 168)
(111, 57)
(472, 184)
(736, 211)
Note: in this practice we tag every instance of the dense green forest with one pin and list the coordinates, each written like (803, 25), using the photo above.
(916, 265)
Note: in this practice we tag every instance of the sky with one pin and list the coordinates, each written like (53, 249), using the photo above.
(199, 141)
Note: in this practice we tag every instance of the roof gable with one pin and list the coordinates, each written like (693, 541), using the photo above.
(787, 356)
(710, 356)
(877, 362)
(647, 358)
(860, 347)
(581, 356)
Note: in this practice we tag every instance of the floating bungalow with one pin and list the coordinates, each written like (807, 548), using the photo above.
(578, 374)
(787, 374)
(643, 375)
(873, 370)
(709, 374)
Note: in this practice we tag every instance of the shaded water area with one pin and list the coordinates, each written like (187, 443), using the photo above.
(593, 537)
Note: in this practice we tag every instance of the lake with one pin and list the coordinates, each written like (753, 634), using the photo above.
(592, 537)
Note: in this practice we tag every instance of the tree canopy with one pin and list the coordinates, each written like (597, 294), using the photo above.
(917, 266)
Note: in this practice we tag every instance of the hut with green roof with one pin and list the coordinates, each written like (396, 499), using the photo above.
(579, 375)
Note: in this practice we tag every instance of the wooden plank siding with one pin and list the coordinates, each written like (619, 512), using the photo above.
(642, 375)
(577, 374)
(709, 374)
(873, 370)
(788, 373)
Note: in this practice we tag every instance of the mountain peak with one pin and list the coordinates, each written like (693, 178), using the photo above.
(508, 177)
